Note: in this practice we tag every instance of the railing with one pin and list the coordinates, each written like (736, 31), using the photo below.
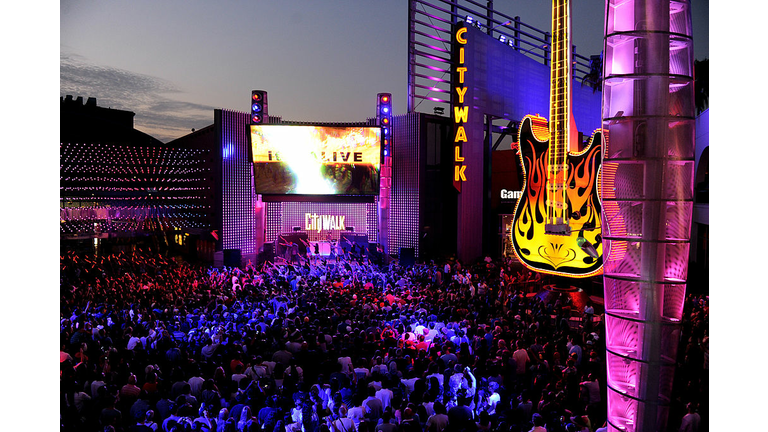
(430, 44)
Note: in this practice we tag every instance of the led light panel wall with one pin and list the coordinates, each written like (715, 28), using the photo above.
(404, 217)
(238, 216)
(384, 119)
(122, 188)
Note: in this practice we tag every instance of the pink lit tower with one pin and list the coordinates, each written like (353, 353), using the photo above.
(647, 196)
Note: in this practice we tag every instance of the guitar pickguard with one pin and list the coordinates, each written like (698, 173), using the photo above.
(558, 253)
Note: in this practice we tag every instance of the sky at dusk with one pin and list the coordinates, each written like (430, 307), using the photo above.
(173, 62)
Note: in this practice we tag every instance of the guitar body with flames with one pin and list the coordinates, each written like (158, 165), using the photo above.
(574, 247)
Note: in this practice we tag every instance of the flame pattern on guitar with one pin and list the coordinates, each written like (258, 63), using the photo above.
(555, 253)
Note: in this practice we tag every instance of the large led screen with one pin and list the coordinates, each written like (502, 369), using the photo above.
(316, 160)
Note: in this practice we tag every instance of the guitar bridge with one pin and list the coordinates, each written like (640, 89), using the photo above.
(557, 229)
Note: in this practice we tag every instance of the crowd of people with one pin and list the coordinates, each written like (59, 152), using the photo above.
(150, 343)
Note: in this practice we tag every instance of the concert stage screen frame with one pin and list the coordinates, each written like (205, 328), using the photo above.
(316, 159)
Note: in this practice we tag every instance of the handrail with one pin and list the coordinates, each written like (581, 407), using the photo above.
(439, 15)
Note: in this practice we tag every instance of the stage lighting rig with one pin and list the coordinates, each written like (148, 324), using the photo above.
(259, 112)
(384, 115)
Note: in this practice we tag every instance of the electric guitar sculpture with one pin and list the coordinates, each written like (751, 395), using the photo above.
(556, 226)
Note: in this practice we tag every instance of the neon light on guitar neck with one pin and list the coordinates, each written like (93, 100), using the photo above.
(559, 110)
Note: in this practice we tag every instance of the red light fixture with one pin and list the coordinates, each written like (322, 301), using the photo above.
(259, 107)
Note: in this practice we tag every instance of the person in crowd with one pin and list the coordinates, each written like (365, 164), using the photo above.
(245, 421)
(221, 420)
(147, 423)
(538, 423)
(692, 420)
(109, 415)
(343, 423)
(374, 408)
(437, 422)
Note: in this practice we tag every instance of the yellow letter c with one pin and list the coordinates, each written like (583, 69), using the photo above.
(459, 35)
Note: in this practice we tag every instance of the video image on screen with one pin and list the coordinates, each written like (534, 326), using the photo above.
(316, 160)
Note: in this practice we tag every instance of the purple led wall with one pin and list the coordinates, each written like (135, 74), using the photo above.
(430, 44)
(127, 189)
(404, 209)
(281, 217)
(238, 200)
(647, 196)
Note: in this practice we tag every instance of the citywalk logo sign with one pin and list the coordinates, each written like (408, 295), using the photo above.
(316, 222)
(460, 111)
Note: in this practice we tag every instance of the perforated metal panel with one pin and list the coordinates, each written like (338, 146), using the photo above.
(238, 214)
(647, 196)
(404, 205)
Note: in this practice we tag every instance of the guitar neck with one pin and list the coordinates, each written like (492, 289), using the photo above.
(560, 77)
(559, 115)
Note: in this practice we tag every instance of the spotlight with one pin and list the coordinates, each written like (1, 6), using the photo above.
(384, 116)
(502, 38)
(258, 107)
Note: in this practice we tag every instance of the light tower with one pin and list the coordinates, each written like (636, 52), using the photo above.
(647, 195)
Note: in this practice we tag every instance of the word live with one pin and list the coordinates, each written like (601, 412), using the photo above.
(324, 157)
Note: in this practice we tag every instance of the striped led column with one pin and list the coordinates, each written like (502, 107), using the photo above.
(238, 213)
(384, 119)
(647, 197)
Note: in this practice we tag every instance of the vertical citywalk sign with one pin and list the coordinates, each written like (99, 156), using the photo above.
(469, 151)
(460, 113)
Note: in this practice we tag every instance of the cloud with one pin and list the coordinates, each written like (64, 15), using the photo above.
(149, 97)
